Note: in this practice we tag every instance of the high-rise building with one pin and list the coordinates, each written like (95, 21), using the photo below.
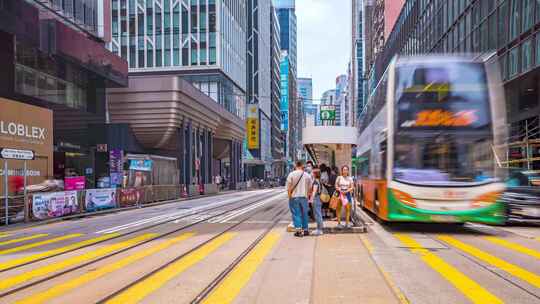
(259, 81)
(55, 70)
(340, 99)
(305, 91)
(356, 79)
(205, 44)
(286, 11)
(277, 142)
(505, 28)
(188, 80)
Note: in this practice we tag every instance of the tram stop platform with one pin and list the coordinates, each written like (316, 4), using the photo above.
(330, 226)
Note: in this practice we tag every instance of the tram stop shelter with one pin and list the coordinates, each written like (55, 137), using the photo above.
(330, 145)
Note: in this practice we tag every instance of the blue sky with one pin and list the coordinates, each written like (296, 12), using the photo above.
(324, 41)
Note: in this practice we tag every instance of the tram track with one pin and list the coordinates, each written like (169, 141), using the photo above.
(276, 218)
(155, 238)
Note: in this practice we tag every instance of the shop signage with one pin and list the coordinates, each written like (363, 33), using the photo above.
(328, 113)
(140, 164)
(54, 204)
(252, 126)
(75, 183)
(7, 153)
(100, 199)
(24, 128)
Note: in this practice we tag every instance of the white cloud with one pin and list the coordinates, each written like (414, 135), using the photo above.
(324, 41)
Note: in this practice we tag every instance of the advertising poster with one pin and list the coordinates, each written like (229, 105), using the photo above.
(140, 165)
(55, 204)
(130, 197)
(74, 183)
(252, 126)
(100, 199)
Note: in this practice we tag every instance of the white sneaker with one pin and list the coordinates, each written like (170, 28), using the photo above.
(340, 226)
(350, 225)
(317, 232)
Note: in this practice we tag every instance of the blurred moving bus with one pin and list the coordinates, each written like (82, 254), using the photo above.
(426, 142)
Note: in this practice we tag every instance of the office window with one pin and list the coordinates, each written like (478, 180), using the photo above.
(526, 55)
(492, 32)
(514, 18)
(528, 14)
(513, 64)
(503, 21)
(537, 56)
(504, 66)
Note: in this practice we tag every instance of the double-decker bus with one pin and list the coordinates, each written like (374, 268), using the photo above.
(427, 138)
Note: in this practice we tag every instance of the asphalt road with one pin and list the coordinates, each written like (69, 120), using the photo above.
(234, 248)
(471, 263)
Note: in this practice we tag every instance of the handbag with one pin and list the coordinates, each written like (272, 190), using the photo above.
(334, 201)
(325, 197)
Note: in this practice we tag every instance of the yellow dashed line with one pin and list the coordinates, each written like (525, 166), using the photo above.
(51, 268)
(467, 286)
(141, 290)
(42, 243)
(3, 235)
(26, 238)
(231, 286)
(45, 254)
(503, 265)
(513, 246)
(63, 288)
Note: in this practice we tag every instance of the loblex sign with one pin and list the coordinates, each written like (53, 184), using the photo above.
(21, 130)
(26, 133)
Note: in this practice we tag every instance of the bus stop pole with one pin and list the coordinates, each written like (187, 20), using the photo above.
(25, 196)
(6, 192)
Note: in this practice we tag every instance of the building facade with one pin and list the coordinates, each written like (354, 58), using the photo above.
(277, 140)
(356, 78)
(54, 62)
(190, 58)
(286, 11)
(305, 91)
(508, 28)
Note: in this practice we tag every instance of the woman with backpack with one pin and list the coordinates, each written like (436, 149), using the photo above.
(315, 201)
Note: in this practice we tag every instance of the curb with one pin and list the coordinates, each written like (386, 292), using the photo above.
(23, 226)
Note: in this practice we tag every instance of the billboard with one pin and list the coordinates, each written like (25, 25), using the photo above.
(252, 126)
(27, 127)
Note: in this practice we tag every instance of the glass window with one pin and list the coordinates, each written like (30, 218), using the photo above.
(503, 21)
(528, 14)
(526, 55)
(492, 32)
(537, 50)
(513, 66)
(514, 18)
(504, 66)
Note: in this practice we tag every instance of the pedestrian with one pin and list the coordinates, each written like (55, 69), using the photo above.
(315, 200)
(345, 186)
(298, 185)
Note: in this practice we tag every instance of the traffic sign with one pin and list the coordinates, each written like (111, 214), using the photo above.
(7, 153)
(328, 112)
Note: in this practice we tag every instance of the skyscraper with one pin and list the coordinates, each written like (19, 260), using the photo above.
(340, 99)
(206, 44)
(286, 11)
(277, 141)
(357, 61)
(305, 91)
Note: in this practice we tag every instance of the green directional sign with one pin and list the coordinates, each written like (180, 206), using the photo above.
(328, 113)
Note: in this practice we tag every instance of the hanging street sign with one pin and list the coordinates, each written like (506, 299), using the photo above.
(7, 153)
(328, 112)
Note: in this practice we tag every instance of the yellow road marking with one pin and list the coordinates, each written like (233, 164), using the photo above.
(231, 286)
(513, 246)
(3, 235)
(468, 287)
(512, 269)
(51, 268)
(34, 245)
(139, 291)
(399, 294)
(41, 255)
(26, 238)
(63, 288)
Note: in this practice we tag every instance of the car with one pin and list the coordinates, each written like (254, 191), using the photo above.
(522, 197)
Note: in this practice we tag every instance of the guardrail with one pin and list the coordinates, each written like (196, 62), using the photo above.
(48, 205)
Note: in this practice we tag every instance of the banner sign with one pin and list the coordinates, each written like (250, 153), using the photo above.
(100, 199)
(130, 197)
(75, 183)
(328, 113)
(140, 165)
(54, 204)
(252, 126)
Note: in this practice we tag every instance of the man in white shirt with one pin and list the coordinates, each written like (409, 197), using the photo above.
(298, 186)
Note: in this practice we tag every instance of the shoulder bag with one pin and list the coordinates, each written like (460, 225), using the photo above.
(291, 190)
